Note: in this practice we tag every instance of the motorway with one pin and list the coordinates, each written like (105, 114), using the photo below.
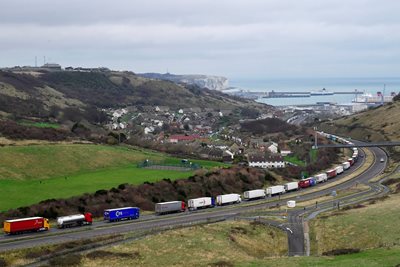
(152, 222)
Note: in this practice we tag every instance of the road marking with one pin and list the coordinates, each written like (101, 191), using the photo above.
(287, 228)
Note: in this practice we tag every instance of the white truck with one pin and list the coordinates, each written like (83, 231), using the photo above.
(253, 194)
(227, 199)
(291, 186)
(74, 220)
(320, 178)
(346, 165)
(339, 169)
(200, 203)
(275, 190)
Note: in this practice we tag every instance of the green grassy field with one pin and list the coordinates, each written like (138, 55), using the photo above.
(40, 124)
(295, 160)
(372, 226)
(29, 174)
(382, 257)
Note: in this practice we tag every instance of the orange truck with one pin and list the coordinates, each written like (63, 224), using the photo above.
(30, 224)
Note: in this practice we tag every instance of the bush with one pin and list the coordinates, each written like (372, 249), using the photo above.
(222, 264)
(102, 254)
(69, 260)
(3, 262)
(100, 192)
(341, 251)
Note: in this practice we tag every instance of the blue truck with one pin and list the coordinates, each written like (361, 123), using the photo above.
(126, 213)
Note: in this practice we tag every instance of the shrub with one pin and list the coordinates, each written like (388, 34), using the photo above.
(3, 263)
(341, 251)
(68, 260)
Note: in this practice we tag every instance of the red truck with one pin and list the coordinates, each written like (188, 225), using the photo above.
(304, 183)
(26, 225)
(331, 173)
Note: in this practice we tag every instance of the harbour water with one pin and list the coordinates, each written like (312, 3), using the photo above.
(367, 85)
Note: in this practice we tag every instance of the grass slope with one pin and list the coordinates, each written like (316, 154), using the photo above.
(382, 257)
(45, 161)
(219, 244)
(382, 123)
(30, 174)
(373, 226)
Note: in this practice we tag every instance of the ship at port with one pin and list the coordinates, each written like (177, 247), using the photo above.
(370, 99)
(323, 91)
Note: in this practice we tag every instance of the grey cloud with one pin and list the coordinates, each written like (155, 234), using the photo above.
(245, 38)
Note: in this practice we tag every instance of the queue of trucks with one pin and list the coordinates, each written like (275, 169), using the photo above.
(17, 226)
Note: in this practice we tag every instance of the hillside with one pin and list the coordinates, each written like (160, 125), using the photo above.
(63, 95)
(377, 124)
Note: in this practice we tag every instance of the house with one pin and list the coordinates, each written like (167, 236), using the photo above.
(148, 130)
(228, 156)
(285, 152)
(183, 138)
(52, 66)
(273, 148)
(215, 154)
(235, 148)
(266, 162)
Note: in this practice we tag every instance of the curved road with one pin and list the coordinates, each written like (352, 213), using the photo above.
(296, 236)
(152, 222)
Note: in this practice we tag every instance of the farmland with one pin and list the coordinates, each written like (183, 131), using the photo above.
(30, 174)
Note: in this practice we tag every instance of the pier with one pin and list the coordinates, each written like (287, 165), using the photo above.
(283, 94)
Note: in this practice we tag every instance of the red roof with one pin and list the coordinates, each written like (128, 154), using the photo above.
(184, 137)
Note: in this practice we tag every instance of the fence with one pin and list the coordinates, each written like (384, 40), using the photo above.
(184, 166)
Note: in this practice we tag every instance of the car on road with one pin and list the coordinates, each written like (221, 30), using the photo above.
(382, 160)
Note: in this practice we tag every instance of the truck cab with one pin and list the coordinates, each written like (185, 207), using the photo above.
(46, 224)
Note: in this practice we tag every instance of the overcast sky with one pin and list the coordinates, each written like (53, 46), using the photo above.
(237, 39)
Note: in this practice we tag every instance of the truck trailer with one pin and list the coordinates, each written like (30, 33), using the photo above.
(320, 178)
(346, 165)
(201, 203)
(339, 169)
(74, 220)
(254, 194)
(227, 199)
(275, 190)
(31, 224)
(126, 213)
(331, 173)
(170, 207)
(291, 186)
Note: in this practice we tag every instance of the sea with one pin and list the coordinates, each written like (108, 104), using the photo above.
(365, 85)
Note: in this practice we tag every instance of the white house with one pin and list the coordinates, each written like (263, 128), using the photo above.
(285, 152)
(229, 153)
(273, 148)
(148, 130)
(268, 162)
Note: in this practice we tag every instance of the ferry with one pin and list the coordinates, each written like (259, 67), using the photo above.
(321, 92)
(368, 98)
